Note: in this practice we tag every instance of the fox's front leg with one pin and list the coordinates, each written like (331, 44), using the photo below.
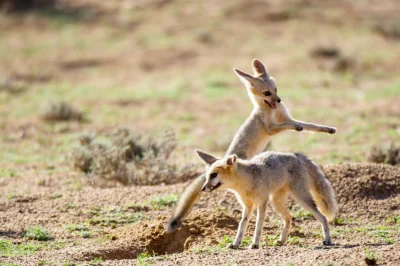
(276, 128)
(257, 232)
(247, 211)
(316, 128)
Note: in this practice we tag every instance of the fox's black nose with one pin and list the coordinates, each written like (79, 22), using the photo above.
(279, 100)
(204, 188)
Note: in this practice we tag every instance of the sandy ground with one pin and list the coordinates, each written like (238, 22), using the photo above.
(367, 194)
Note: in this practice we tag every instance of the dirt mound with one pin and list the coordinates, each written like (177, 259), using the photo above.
(202, 228)
(363, 181)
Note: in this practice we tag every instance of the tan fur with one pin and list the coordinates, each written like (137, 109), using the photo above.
(255, 133)
(273, 176)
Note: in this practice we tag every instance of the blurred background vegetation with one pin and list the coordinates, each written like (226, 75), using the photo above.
(73, 66)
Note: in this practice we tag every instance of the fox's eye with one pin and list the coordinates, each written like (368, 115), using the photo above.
(276, 90)
(267, 93)
(213, 175)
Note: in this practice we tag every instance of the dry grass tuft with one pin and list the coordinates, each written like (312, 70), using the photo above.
(61, 111)
(389, 29)
(388, 155)
(130, 160)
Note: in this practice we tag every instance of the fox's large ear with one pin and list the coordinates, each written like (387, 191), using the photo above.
(206, 158)
(231, 160)
(244, 77)
(259, 69)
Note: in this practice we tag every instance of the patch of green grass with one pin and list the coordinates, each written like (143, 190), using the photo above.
(8, 173)
(96, 261)
(221, 246)
(37, 233)
(272, 240)
(111, 216)
(80, 229)
(55, 196)
(246, 241)
(371, 257)
(294, 240)
(143, 259)
(11, 196)
(163, 201)
(225, 242)
(342, 221)
(302, 215)
(8, 249)
(393, 220)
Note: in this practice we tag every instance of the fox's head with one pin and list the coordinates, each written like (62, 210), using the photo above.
(261, 86)
(219, 171)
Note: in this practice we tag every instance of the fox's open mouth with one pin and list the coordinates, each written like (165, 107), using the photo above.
(272, 105)
(215, 187)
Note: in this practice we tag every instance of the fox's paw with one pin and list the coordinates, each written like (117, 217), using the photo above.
(330, 130)
(327, 243)
(298, 127)
(254, 246)
(232, 246)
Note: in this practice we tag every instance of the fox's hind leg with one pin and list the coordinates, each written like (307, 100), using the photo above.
(305, 199)
(278, 201)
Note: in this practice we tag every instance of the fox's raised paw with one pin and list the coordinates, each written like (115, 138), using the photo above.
(298, 127)
(254, 246)
(331, 130)
(232, 246)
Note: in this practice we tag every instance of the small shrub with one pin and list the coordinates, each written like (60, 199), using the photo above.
(389, 155)
(130, 160)
(36, 233)
(60, 111)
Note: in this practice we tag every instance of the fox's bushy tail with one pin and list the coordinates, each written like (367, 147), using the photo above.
(185, 203)
(321, 189)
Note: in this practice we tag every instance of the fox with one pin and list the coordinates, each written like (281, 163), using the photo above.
(269, 117)
(272, 176)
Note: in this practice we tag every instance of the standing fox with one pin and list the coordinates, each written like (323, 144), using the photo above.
(272, 176)
(269, 117)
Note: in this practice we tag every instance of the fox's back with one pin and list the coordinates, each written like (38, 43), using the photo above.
(274, 169)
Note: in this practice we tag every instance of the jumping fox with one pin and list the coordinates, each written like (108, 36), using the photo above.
(272, 176)
(269, 117)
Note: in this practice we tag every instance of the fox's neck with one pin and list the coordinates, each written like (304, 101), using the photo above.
(241, 177)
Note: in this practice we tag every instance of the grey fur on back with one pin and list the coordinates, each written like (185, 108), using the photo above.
(270, 170)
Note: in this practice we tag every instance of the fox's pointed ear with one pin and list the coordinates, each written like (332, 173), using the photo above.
(206, 158)
(231, 160)
(259, 69)
(244, 77)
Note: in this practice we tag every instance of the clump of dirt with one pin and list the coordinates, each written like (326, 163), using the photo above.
(130, 160)
(61, 111)
(363, 181)
(202, 228)
(388, 155)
